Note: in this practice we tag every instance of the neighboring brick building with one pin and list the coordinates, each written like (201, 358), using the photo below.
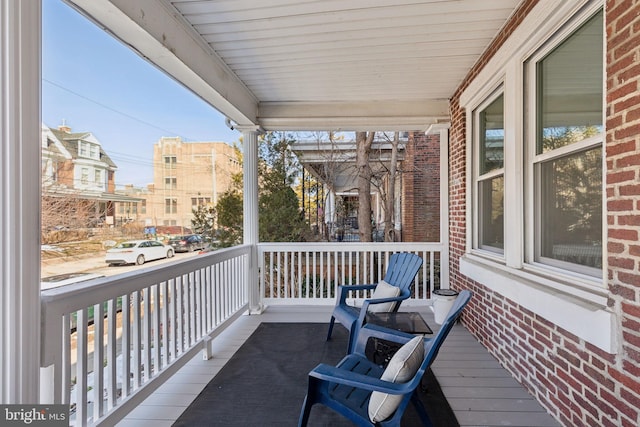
(75, 168)
(187, 175)
(421, 189)
(565, 327)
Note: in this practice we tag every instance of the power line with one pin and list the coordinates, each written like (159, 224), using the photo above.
(167, 132)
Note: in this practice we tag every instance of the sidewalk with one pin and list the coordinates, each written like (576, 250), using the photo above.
(76, 264)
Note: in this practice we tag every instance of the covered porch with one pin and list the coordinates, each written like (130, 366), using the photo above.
(564, 326)
(151, 357)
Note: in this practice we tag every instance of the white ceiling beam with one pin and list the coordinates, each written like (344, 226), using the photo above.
(353, 116)
(156, 32)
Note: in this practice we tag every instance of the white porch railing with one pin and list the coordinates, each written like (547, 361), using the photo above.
(155, 320)
(309, 273)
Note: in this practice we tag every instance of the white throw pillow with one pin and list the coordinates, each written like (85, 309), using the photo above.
(384, 290)
(402, 367)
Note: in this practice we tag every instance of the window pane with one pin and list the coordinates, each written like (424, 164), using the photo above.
(492, 136)
(491, 201)
(571, 208)
(570, 89)
(170, 162)
(171, 206)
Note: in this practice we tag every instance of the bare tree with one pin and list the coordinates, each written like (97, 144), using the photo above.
(389, 225)
(364, 140)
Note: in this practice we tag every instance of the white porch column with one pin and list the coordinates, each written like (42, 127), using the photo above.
(20, 170)
(330, 206)
(250, 211)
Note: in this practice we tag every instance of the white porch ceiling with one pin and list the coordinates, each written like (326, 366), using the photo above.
(312, 64)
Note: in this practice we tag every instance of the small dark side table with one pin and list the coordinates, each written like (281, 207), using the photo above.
(381, 351)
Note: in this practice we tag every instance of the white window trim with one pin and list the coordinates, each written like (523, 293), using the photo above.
(575, 302)
(477, 177)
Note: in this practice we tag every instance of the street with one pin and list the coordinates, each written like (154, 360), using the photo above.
(96, 264)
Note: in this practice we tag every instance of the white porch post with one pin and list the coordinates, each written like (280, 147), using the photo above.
(20, 23)
(444, 206)
(250, 217)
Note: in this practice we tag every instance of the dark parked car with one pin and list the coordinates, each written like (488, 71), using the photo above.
(187, 243)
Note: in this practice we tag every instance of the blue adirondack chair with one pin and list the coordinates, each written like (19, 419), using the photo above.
(347, 387)
(401, 271)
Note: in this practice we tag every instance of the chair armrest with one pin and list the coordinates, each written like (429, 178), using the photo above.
(353, 379)
(370, 330)
(343, 291)
(369, 301)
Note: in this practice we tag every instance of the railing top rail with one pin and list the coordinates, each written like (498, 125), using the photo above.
(76, 296)
(351, 246)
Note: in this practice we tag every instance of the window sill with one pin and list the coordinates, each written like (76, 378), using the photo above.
(580, 310)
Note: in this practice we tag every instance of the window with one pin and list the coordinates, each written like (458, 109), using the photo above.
(170, 183)
(548, 83)
(143, 207)
(98, 176)
(170, 162)
(549, 192)
(170, 206)
(84, 176)
(565, 165)
(200, 201)
(489, 124)
(87, 149)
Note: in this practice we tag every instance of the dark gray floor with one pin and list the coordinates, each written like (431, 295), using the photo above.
(479, 390)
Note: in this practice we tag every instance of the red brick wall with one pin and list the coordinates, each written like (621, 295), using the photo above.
(578, 383)
(421, 189)
(65, 173)
(623, 197)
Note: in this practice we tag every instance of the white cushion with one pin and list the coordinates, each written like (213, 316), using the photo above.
(402, 367)
(384, 290)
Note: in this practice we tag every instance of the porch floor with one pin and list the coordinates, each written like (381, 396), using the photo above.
(479, 390)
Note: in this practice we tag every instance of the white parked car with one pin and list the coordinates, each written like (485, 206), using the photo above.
(138, 252)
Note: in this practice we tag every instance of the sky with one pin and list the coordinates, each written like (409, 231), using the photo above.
(93, 83)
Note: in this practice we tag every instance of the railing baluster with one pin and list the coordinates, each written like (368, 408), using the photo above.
(66, 359)
(199, 309)
(136, 341)
(98, 358)
(146, 335)
(172, 321)
(164, 325)
(432, 272)
(271, 275)
(301, 289)
(112, 331)
(126, 344)
(81, 387)
(322, 279)
(155, 317)
(218, 293)
(285, 274)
